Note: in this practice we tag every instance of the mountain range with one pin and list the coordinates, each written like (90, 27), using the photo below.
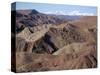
(47, 42)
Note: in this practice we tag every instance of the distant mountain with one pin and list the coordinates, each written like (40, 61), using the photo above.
(34, 12)
(66, 17)
(31, 18)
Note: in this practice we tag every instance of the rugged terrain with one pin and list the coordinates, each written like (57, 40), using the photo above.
(47, 42)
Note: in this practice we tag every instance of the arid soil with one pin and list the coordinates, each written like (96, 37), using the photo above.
(46, 43)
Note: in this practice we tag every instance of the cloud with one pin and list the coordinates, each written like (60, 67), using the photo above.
(60, 12)
(75, 12)
(80, 13)
(57, 13)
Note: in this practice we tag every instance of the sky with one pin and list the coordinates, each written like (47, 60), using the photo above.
(58, 9)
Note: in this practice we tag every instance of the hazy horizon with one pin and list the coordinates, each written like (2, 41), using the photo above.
(58, 9)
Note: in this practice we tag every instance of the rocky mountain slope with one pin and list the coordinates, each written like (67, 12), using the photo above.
(31, 18)
(45, 43)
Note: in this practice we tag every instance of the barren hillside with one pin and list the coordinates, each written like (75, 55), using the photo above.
(45, 43)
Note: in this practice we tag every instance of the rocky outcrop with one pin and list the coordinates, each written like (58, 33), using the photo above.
(50, 40)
